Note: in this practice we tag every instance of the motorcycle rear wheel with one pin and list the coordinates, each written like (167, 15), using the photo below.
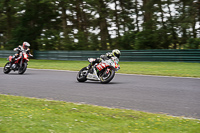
(23, 68)
(7, 69)
(107, 77)
(82, 74)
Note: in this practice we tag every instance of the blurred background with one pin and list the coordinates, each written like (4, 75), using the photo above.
(100, 24)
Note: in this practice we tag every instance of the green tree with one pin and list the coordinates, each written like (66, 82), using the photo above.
(36, 15)
(99, 24)
(8, 18)
(193, 43)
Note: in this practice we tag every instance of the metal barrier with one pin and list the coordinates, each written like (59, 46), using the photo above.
(67, 55)
(162, 55)
(126, 55)
(6, 53)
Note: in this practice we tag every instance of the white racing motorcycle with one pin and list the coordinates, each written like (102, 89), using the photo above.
(103, 71)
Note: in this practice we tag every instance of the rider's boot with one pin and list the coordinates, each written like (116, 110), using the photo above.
(89, 66)
(13, 59)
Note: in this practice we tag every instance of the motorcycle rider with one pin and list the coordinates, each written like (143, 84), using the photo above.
(25, 46)
(107, 56)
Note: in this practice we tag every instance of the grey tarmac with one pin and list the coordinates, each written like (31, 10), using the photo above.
(157, 94)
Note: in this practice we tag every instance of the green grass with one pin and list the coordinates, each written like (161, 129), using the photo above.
(21, 115)
(25, 115)
(178, 69)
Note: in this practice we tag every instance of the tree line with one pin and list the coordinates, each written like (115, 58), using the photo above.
(100, 24)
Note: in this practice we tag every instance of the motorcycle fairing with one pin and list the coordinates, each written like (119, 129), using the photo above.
(116, 65)
(91, 59)
(101, 66)
(10, 58)
(93, 76)
(25, 56)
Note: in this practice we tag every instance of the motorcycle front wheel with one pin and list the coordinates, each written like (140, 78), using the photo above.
(6, 68)
(22, 69)
(106, 77)
(82, 74)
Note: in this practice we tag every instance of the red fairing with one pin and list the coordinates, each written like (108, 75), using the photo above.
(101, 66)
(116, 65)
(26, 57)
(10, 58)
(17, 60)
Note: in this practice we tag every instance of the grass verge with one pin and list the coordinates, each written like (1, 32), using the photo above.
(178, 69)
(20, 114)
(24, 115)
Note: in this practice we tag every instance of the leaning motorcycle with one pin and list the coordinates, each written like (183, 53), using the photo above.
(19, 64)
(103, 71)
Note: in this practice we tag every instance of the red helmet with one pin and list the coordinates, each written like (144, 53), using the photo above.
(26, 45)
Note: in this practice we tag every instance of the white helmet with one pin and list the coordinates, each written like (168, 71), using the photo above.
(26, 45)
(116, 53)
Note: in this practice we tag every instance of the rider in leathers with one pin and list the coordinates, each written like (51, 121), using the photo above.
(25, 46)
(107, 56)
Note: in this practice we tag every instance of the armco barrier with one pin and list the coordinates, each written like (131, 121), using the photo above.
(6, 53)
(67, 55)
(126, 55)
(162, 55)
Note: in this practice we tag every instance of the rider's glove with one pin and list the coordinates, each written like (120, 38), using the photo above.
(103, 57)
(30, 55)
(98, 60)
(15, 49)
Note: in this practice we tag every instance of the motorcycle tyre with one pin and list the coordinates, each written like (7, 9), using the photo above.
(23, 69)
(83, 78)
(109, 78)
(4, 69)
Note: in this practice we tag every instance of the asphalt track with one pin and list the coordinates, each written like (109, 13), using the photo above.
(168, 95)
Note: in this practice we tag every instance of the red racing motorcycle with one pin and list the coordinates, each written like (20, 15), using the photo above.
(103, 71)
(19, 64)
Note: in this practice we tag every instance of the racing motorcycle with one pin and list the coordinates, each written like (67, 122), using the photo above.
(103, 71)
(19, 64)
